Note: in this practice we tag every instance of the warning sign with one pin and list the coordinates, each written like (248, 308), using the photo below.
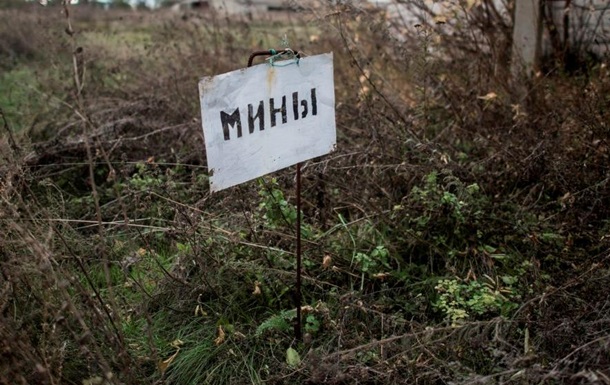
(267, 117)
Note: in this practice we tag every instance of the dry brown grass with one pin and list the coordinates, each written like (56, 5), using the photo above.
(110, 239)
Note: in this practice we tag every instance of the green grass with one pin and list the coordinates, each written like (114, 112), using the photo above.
(20, 98)
(239, 359)
(121, 45)
(199, 287)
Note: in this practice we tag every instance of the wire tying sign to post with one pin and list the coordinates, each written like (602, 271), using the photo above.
(264, 118)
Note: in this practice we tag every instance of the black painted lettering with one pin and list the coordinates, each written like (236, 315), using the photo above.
(260, 115)
(295, 105)
(230, 121)
(256, 113)
(274, 110)
(305, 108)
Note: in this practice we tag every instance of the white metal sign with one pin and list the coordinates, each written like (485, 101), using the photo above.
(264, 118)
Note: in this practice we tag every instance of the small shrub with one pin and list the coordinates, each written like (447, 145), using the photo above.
(460, 301)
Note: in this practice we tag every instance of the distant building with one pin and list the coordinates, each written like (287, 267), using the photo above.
(584, 23)
(190, 4)
(234, 6)
(106, 4)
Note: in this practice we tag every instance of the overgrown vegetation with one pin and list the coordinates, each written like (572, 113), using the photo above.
(460, 233)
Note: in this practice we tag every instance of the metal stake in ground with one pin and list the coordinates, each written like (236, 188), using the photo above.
(298, 334)
(298, 328)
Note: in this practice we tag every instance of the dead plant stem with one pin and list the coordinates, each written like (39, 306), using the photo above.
(11, 138)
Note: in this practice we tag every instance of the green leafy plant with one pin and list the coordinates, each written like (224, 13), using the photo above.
(375, 262)
(279, 322)
(112, 245)
(457, 201)
(448, 217)
(293, 359)
(461, 300)
(277, 211)
(312, 324)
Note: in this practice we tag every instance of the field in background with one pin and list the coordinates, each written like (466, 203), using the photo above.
(459, 234)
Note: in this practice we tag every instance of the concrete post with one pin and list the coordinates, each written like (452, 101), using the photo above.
(527, 33)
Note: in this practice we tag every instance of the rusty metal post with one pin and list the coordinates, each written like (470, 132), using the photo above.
(298, 327)
(269, 53)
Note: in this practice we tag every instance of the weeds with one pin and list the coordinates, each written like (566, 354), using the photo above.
(459, 233)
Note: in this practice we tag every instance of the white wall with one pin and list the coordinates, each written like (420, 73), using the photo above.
(589, 23)
(590, 19)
